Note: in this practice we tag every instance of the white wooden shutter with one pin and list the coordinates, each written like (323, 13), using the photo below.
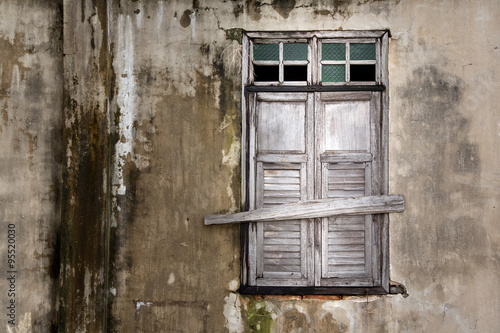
(347, 145)
(300, 150)
(282, 173)
(282, 246)
(346, 240)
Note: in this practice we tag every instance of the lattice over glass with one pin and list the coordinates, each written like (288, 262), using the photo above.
(333, 51)
(333, 73)
(295, 51)
(269, 52)
(362, 51)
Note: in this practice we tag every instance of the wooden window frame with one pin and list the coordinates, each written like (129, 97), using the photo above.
(312, 211)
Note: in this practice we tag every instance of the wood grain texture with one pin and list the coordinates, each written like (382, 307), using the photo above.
(375, 204)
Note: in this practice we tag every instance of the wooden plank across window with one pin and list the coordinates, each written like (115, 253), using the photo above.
(307, 209)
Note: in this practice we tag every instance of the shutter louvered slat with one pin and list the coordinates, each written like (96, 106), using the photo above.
(281, 243)
(279, 255)
(281, 180)
(346, 242)
(346, 180)
(346, 246)
(347, 227)
(280, 248)
(281, 234)
(290, 226)
(338, 248)
(279, 201)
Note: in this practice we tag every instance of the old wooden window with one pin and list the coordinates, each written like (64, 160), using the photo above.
(314, 163)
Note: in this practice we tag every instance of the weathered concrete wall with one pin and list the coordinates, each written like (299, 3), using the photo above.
(30, 152)
(177, 89)
(177, 92)
(147, 112)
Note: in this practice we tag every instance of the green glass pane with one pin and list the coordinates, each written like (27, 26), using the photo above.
(333, 51)
(297, 51)
(266, 52)
(363, 51)
(333, 73)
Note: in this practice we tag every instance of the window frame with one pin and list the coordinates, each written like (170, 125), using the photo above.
(314, 85)
(281, 62)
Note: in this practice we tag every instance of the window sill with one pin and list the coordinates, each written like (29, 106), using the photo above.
(329, 292)
(315, 88)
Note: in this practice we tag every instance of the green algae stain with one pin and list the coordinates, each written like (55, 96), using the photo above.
(259, 318)
(234, 34)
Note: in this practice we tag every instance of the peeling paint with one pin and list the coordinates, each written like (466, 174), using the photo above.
(171, 278)
(233, 285)
(232, 313)
(126, 98)
(231, 159)
(139, 304)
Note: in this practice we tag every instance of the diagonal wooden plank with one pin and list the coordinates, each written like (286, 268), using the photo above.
(308, 209)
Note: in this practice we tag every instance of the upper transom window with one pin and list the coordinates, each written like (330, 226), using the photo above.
(318, 60)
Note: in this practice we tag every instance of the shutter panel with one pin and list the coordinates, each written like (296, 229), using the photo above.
(283, 245)
(346, 239)
(346, 149)
(283, 251)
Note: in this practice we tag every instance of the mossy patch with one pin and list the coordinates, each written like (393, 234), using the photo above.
(234, 34)
(259, 318)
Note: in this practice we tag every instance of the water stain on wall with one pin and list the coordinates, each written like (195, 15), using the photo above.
(329, 324)
(293, 320)
(431, 101)
(253, 8)
(467, 158)
(11, 53)
(283, 7)
(444, 175)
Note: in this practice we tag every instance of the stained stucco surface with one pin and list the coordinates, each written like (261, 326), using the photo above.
(443, 153)
(151, 142)
(30, 151)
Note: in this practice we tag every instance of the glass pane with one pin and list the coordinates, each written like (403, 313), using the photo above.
(297, 51)
(362, 51)
(333, 73)
(334, 51)
(266, 73)
(362, 73)
(266, 52)
(295, 73)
